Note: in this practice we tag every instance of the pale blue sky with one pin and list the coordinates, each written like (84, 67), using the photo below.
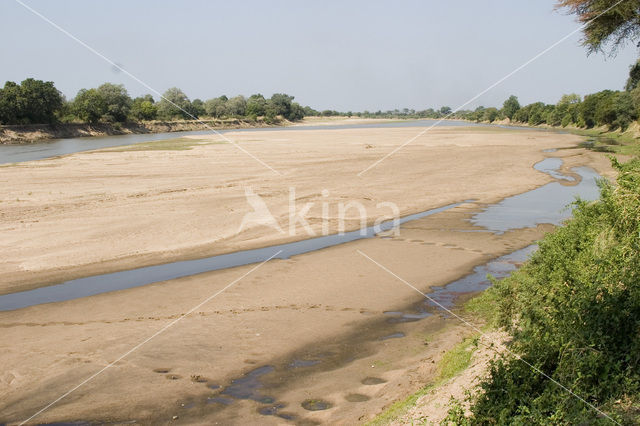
(345, 55)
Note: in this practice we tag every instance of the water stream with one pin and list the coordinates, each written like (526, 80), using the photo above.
(89, 286)
(546, 204)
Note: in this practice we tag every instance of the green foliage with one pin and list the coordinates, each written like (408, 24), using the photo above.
(565, 111)
(617, 22)
(197, 108)
(89, 105)
(589, 106)
(455, 415)
(574, 313)
(445, 110)
(634, 77)
(236, 107)
(144, 108)
(608, 108)
(216, 107)
(510, 107)
(625, 110)
(116, 100)
(256, 105)
(174, 105)
(32, 101)
(533, 114)
(296, 112)
(491, 114)
(109, 102)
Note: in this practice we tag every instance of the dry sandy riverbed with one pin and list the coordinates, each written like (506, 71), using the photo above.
(103, 211)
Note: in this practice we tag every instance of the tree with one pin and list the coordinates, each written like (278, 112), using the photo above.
(566, 111)
(510, 107)
(89, 105)
(477, 115)
(537, 114)
(40, 100)
(144, 108)
(613, 26)
(589, 106)
(236, 106)
(281, 104)
(605, 112)
(491, 114)
(216, 107)
(33, 101)
(117, 102)
(256, 105)
(445, 110)
(174, 104)
(634, 77)
(10, 103)
(197, 108)
(296, 112)
(626, 112)
(308, 111)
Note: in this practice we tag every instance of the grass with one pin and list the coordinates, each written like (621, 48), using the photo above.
(457, 359)
(625, 143)
(484, 308)
(452, 363)
(400, 407)
(178, 144)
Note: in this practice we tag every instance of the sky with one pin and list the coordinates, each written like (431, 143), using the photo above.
(342, 55)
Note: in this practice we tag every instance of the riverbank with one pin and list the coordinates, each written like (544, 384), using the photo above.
(16, 134)
(34, 133)
(196, 186)
(128, 207)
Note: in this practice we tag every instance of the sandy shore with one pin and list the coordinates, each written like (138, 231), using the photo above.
(103, 211)
(112, 210)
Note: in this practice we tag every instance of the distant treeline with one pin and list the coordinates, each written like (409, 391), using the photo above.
(39, 102)
(614, 109)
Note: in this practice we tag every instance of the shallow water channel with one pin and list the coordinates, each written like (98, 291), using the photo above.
(546, 204)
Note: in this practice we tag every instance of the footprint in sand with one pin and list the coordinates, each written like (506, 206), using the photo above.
(315, 404)
(357, 397)
(372, 381)
(162, 370)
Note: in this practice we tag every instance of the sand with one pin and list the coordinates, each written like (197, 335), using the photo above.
(101, 211)
(111, 210)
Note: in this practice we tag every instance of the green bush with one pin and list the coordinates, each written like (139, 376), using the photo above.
(574, 313)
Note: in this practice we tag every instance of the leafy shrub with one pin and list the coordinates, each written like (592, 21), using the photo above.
(574, 313)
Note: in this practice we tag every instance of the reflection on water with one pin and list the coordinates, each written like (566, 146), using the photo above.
(548, 204)
(89, 286)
